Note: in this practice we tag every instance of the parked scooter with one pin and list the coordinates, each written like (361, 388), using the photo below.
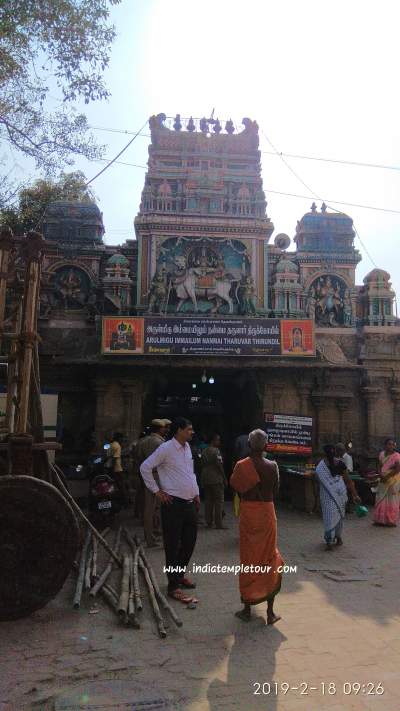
(105, 498)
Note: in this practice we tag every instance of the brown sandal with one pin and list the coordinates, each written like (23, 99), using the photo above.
(181, 597)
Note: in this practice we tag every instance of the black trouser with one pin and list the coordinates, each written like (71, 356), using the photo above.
(179, 526)
(214, 503)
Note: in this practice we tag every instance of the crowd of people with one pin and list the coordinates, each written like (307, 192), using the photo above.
(168, 502)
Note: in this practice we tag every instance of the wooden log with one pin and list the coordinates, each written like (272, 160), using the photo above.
(6, 245)
(161, 597)
(131, 600)
(136, 585)
(32, 252)
(40, 457)
(88, 571)
(124, 593)
(157, 614)
(12, 378)
(135, 572)
(78, 510)
(81, 574)
(107, 571)
(109, 597)
(94, 557)
(112, 590)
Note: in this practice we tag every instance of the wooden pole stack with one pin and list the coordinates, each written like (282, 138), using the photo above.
(81, 574)
(107, 571)
(32, 252)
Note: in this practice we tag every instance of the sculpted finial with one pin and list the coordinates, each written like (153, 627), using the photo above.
(177, 122)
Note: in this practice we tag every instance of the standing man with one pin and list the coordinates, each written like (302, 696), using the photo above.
(214, 481)
(144, 448)
(179, 496)
(342, 454)
(167, 425)
(114, 461)
(241, 448)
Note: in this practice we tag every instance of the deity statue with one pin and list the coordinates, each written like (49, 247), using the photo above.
(157, 121)
(248, 291)
(69, 289)
(329, 307)
(229, 127)
(191, 125)
(158, 291)
(347, 308)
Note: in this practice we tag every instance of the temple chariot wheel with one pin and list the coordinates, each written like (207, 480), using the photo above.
(39, 540)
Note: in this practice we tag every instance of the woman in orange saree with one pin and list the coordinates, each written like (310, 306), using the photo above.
(387, 503)
(256, 479)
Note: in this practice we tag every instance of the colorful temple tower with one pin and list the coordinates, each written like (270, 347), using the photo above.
(203, 250)
(202, 227)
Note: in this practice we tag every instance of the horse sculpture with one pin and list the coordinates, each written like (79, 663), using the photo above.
(187, 289)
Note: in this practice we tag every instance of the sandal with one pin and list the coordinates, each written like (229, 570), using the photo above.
(187, 583)
(181, 597)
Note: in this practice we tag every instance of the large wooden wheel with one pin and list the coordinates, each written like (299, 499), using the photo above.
(39, 539)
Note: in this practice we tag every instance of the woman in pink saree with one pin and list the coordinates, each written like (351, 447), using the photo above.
(387, 503)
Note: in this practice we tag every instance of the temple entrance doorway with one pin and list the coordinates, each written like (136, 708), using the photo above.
(226, 401)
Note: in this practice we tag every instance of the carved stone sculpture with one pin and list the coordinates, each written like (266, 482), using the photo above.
(247, 290)
(158, 291)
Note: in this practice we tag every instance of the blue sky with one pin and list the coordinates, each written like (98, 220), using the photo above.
(319, 78)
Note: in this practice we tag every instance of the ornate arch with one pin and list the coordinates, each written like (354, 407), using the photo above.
(71, 285)
(55, 266)
(331, 299)
(326, 272)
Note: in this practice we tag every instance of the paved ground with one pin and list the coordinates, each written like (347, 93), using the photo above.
(333, 631)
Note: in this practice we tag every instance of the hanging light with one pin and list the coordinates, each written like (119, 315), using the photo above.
(204, 377)
(211, 380)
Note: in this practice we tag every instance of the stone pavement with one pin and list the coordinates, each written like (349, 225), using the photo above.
(340, 625)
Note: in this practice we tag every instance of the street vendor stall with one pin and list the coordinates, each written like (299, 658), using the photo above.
(290, 442)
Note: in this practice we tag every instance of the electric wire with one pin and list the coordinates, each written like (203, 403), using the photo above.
(327, 202)
(117, 156)
(297, 156)
(280, 192)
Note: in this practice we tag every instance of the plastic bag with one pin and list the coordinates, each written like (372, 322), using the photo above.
(236, 504)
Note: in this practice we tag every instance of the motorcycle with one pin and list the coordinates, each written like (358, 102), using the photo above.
(105, 499)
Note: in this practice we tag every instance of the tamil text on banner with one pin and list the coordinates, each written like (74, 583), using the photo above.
(157, 335)
(289, 434)
(208, 336)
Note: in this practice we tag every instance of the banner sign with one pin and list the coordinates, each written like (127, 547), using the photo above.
(289, 434)
(155, 335)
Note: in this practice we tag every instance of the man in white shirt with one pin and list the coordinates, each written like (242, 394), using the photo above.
(344, 456)
(178, 493)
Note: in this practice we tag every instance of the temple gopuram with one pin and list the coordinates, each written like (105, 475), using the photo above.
(207, 314)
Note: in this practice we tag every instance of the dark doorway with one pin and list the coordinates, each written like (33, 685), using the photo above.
(224, 401)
